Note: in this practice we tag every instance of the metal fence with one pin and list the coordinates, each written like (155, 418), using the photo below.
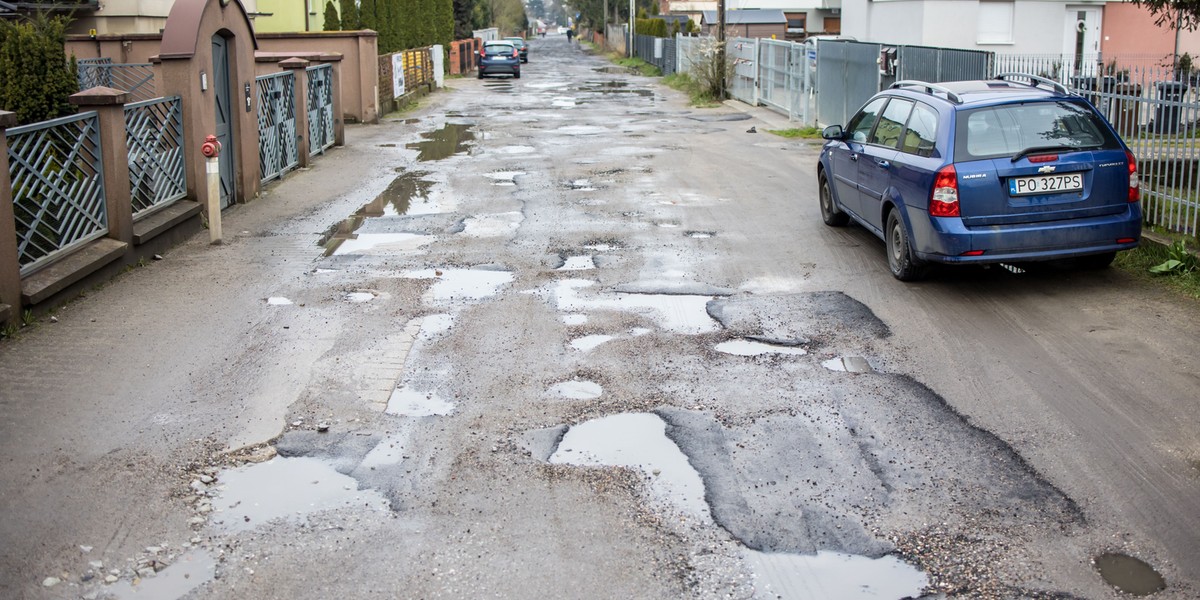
(277, 149)
(135, 78)
(743, 54)
(924, 63)
(320, 108)
(57, 187)
(657, 51)
(847, 75)
(154, 140)
(785, 78)
(690, 52)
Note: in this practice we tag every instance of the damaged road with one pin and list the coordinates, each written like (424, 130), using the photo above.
(566, 336)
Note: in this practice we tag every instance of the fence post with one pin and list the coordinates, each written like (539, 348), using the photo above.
(10, 265)
(109, 105)
(298, 68)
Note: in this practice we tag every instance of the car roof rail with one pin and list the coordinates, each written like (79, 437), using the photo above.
(1034, 81)
(930, 88)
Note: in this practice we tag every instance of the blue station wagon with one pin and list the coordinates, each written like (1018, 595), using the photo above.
(1010, 170)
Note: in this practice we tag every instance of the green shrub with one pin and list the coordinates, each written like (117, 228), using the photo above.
(36, 78)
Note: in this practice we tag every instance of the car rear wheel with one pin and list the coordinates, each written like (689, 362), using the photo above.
(903, 265)
(829, 213)
(517, 75)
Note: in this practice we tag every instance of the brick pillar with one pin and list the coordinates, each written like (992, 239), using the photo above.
(109, 105)
(10, 265)
(300, 92)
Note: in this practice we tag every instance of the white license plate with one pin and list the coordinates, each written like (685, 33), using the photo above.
(1045, 184)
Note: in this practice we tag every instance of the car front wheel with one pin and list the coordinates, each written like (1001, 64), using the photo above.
(830, 213)
(900, 259)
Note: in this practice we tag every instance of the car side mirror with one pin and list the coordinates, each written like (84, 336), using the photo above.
(833, 132)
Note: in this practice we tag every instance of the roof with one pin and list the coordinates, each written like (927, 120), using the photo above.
(672, 18)
(987, 91)
(746, 17)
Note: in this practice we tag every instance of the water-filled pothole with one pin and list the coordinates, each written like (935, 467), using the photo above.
(756, 348)
(396, 200)
(679, 313)
(848, 364)
(189, 571)
(577, 390)
(451, 139)
(1129, 575)
(589, 342)
(285, 488)
(457, 285)
(639, 440)
(578, 263)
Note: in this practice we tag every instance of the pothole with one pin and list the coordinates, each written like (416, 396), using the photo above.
(848, 364)
(286, 489)
(1129, 575)
(700, 235)
(589, 342)
(581, 130)
(493, 225)
(574, 319)
(278, 301)
(189, 571)
(756, 348)
(458, 285)
(377, 243)
(450, 139)
(504, 178)
(639, 441)
(577, 390)
(678, 313)
(409, 402)
(578, 263)
(581, 185)
(359, 297)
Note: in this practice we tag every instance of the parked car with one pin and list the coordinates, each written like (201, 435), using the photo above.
(1009, 170)
(499, 57)
(522, 47)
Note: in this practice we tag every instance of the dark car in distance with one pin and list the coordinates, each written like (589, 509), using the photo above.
(498, 57)
(1015, 169)
(522, 47)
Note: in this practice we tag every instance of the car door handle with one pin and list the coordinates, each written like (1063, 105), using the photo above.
(883, 164)
(853, 156)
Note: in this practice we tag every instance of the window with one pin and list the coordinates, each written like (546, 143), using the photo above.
(1005, 130)
(995, 23)
(921, 135)
(860, 126)
(887, 132)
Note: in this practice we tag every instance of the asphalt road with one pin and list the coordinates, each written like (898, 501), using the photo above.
(566, 336)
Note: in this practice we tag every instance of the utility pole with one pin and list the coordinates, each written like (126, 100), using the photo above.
(604, 23)
(632, 18)
(721, 50)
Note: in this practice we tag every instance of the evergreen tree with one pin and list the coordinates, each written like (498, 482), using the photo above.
(464, 14)
(351, 17)
(367, 19)
(35, 76)
(332, 22)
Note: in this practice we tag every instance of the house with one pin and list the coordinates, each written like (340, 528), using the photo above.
(134, 16)
(747, 23)
(286, 16)
(804, 17)
(1130, 31)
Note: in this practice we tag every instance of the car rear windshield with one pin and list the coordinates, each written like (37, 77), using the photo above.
(498, 48)
(1005, 130)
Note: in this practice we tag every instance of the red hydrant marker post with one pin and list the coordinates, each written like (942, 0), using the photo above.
(211, 149)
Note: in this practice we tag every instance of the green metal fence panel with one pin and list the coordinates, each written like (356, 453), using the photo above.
(320, 108)
(154, 139)
(57, 186)
(135, 78)
(277, 148)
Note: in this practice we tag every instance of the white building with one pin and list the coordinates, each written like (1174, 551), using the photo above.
(1004, 26)
(805, 17)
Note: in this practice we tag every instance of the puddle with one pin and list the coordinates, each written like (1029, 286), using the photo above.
(285, 488)
(495, 225)
(849, 364)
(753, 348)
(1129, 575)
(833, 575)
(377, 243)
(563, 102)
(676, 313)
(575, 319)
(389, 451)
(578, 263)
(396, 199)
(636, 440)
(278, 301)
(669, 225)
(435, 325)
(514, 150)
(451, 139)
(408, 402)
(504, 177)
(581, 185)
(454, 285)
(577, 390)
(700, 235)
(602, 247)
(581, 130)
(639, 440)
(589, 342)
(189, 571)
(640, 331)
(359, 297)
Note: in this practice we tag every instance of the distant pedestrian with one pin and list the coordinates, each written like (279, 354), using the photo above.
(570, 34)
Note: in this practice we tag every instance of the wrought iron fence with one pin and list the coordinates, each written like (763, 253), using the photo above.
(57, 187)
(135, 78)
(320, 108)
(154, 139)
(277, 148)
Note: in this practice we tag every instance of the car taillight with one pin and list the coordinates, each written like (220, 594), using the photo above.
(943, 202)
(1134, 195)
(1043, 158)
(514, 54)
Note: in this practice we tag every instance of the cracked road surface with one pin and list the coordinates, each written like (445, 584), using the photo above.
(566, 336)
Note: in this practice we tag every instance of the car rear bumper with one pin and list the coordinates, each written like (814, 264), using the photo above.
(946, 239)
(500, 69)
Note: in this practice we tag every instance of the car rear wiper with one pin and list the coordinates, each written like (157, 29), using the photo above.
(1043, 149)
